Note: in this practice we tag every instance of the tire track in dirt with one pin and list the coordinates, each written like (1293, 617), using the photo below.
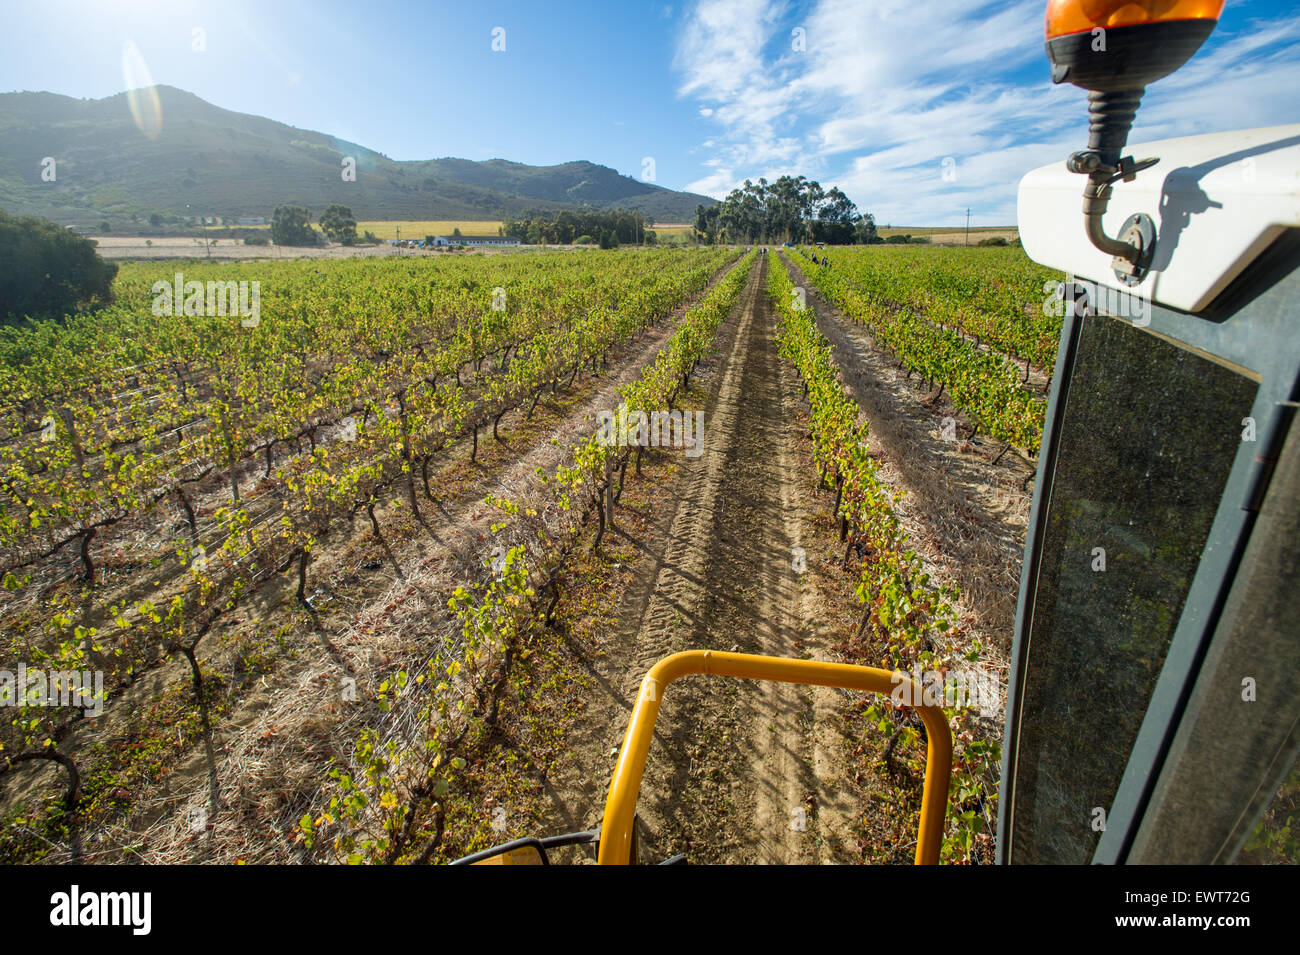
(730, 777)
(718, 770)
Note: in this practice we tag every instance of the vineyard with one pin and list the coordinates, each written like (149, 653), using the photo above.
(965, 323)
(906, 621)
(361, 580)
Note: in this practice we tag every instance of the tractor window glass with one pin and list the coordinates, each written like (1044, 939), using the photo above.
(1275, 839)
(1148, 436)
(1230, 785)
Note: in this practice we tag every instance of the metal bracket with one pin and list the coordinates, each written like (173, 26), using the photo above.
(1138, 231)
(1130, 167)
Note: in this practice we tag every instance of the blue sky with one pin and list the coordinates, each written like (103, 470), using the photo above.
(714, 91)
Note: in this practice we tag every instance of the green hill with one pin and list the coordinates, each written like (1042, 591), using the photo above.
(208, 161)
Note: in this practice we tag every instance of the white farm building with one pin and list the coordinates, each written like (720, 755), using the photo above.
(475, 240)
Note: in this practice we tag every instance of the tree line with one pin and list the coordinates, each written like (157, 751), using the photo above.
(291, 225)
(608, 227)
(791, 209)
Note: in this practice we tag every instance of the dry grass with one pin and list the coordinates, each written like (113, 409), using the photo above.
(419, 228)
(889, 230)
(134, 249)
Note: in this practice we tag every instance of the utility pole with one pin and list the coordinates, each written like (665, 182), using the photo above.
(968, 226)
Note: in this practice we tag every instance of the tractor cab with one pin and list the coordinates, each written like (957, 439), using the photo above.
(1153, 711)
(1153, 708)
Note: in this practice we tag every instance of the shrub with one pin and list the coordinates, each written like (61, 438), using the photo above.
(993, 240)
(47, 271)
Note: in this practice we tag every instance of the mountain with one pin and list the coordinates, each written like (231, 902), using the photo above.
(204, 160)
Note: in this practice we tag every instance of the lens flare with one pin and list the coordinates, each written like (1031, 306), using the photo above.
(141, 94)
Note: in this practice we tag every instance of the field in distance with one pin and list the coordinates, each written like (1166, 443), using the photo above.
(387, 228)
(419, 228)
(947, 235)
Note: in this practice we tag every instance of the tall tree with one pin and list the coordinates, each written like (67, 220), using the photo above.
(836, 217)
(291, 225)
(791, 209)
(706, 223)
(864, 233)
(338, 223)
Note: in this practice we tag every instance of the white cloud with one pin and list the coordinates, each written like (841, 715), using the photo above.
(718, 183)
(886, 89)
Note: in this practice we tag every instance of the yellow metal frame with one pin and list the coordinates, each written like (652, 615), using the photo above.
(620, 807)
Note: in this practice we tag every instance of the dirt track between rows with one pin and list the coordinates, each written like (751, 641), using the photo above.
(737, 770)
(744, 772)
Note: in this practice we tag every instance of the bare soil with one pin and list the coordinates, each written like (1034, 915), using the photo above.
(134, 249)
(737, 771)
